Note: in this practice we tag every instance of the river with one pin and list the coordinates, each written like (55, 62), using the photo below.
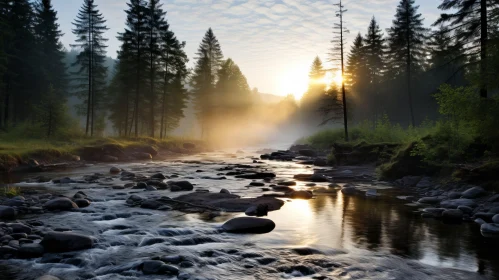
(346, 237)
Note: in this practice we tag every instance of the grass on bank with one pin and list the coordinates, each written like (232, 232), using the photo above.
(24, 142)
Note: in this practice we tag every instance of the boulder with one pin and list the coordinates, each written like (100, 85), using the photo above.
(230, 202)
(82, 203)
(61, 204)
(307, 153)
(430, 200)
(495, 219)
(257, 184)
(20, 228)
(151, 188)
(350, 190)
(249, 225)
(465, 209)
(7, 213)
(114, 170)
(320, 162)
(179, 186)
(60, 242)
(158, 267)
(257, 210)
(134, 199)
(474, 192)
(494, 210)
(301, 195)
(225, 191)
(158, 176)
(489, 230)
(494, 198)
(151, 204)
(425, 182)
(452, 215)
(30, 251)
(454, 195)
(454, 203)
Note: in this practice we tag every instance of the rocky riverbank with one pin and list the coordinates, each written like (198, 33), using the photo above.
(50, 160)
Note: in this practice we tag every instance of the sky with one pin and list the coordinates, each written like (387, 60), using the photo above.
(273, 41)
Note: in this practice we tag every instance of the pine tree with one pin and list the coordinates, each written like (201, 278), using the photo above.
(89, 27)
(50, 50)
(375, 50)
(203, 81)
(51, 112)
(470, 23)
(357, 77)
(406, 40)
(356, 65)
(310, 102)
(337, 54)
(155, 25)
(135, 39)
(174, 73)
(20, 51)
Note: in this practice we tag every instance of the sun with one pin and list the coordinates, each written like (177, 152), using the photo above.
(294, 82)
(336, 78)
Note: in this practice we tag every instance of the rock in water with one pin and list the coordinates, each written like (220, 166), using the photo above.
(30, 251)
(301, 195)
(454, 203)
(474, 192)
(61, 203)
(257, 210)
(114, 170)
(430, 200)
(349, 190)
(158, 176)
(7, 213)
(489, 230)
(82, 203)
(249, 225)
(181, 186)
(495, 219)
(60, 242)
(158, 267)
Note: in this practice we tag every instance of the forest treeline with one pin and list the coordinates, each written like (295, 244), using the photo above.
(398, 70)
(150, 85)
(394, 74)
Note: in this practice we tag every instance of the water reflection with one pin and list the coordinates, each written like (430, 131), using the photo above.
(383, 225)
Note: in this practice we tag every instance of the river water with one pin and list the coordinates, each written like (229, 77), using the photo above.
(345, 237)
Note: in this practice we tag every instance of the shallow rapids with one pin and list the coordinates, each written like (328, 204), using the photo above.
(329, 237)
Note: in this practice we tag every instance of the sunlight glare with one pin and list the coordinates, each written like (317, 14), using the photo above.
(337, 78)
(294, 82)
